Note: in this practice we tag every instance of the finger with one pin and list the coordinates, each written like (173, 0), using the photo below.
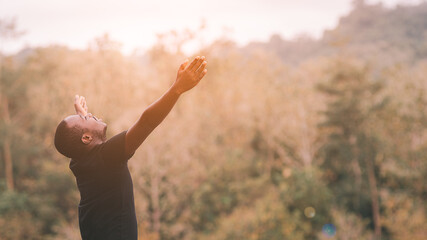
(193, 62)
(183, 65)
(85, 106)
(198, 63)
(81, 100)
(202, 74)
(76, 99)
(202, 67)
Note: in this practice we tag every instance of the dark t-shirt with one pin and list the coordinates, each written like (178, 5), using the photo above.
(106, 209)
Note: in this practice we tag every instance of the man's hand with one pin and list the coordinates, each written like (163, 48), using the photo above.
(189, 75)
(80, 105)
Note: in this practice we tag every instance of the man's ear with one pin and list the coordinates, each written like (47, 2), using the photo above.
(87, 138)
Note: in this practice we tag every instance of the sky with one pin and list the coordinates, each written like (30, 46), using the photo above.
(136, 23)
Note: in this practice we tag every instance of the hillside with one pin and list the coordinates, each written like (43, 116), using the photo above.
(369, 31)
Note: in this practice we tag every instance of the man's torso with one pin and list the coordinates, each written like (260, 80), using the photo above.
(106, 209)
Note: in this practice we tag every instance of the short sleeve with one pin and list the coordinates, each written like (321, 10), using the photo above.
(113, 152)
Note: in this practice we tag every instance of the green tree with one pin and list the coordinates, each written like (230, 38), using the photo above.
(352, 152)
(9, 86)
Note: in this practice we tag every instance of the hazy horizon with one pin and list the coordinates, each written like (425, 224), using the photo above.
(136, 24)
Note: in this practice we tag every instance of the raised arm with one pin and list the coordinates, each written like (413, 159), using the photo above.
(189, 75)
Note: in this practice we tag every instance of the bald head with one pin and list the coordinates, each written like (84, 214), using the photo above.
(67, 139)
(75, 135)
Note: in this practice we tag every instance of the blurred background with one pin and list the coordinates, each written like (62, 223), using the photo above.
(310, 124)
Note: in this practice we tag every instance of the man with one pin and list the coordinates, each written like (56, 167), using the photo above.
(106, 209)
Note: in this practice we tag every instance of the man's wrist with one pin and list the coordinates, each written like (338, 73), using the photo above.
(174, 89)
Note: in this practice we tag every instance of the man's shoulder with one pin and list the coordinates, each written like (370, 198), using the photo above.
(113, 151)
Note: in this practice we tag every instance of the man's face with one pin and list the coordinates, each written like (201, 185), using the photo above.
(93, 125)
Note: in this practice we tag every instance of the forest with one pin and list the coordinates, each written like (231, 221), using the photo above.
(296, 138)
